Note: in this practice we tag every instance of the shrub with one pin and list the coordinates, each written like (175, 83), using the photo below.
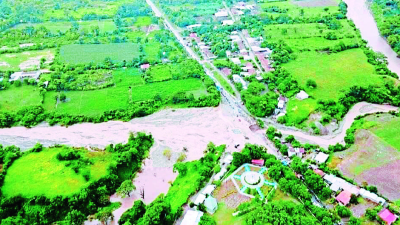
(182, 157)
(17, 83)
(217, 168)
(311, 83)
(167, 153)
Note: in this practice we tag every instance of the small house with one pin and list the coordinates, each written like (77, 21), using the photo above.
(211, 204)
(25, 75)
(344, 198)
(145, 66)
(200, 199)
(227, 22)
(302, 95)
(319, 172)
(387, 216)
(192, 217)
(236, 61)
(221, 14)
(321, 157)
(226, 71)
(258, 162)
(209, 190)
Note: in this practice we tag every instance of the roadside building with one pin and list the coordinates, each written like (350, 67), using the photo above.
(319, 172)
(221, 173)
(145, 66)
(387, 216)
(199, 199)
(22, 75)
(372, 196)
(257, 162)
(211, 204)
(344, 198)
(236, 61)
(321, 157)
(209, 190)
(226, 71)
(190, 27)
(221, 14)
(264, 62)
(192, 217)
(227, 22)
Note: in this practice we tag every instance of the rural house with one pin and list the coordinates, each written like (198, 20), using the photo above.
(22, 75)
(321, 157)
(211, 204)
(344, 198)
(387, 216)
(192, 217)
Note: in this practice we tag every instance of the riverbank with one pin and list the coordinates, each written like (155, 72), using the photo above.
(358, 11)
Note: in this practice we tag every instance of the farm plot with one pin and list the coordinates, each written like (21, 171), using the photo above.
(45, 175)
(294, 9)
(312, 36)
(375, 156)
(76, 54)
(29, 60)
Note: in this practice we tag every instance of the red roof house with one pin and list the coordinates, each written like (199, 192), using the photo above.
(344, 197)
(387, 216)
(192, 35)
(319, 172)
(145, 66)
(226, 71)
(258, 162)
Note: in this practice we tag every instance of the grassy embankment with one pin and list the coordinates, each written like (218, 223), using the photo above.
(41, 173)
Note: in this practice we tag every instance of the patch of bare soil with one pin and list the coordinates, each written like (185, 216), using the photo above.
(373, 161)
(1, 168)
(359, 210)
(316, 3)
(5, 64)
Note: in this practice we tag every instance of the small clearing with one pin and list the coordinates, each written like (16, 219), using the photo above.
(316, 3)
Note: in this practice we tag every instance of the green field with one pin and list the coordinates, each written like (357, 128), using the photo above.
(38, 174)
(54, 27)
(388, 131)
(333, 72)
(224, 216)
(311, 36)
(15, 98)
(293, 10)
(142, 21)
(24, 59)
(76, 54)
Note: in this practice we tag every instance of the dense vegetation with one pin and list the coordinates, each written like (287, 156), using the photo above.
(49, 206)
(387, 15)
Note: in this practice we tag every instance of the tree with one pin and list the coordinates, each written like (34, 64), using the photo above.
(181, 168)
(63, 97)
(125, 188)
(105, 215)
(167, 153)
(75, 217)
(17, 83)
(354, 221)
(343, 211)
(207, 220)
(311, 83)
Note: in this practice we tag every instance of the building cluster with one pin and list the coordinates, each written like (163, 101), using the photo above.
(192, 217)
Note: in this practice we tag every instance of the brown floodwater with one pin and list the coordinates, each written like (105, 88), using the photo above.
(359, 12)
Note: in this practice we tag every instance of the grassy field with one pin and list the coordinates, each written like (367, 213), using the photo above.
(311, 36)
(97, 53)
(54, 27)
(294, 10)
(223, 216)
(22, 60)
(41, 173)
(333, 73)
(298, 111)
(15, 98)
(142, 21)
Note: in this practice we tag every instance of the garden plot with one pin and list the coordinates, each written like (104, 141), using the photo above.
(76, 54)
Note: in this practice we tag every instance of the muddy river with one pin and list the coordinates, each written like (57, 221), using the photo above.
(359, 12)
